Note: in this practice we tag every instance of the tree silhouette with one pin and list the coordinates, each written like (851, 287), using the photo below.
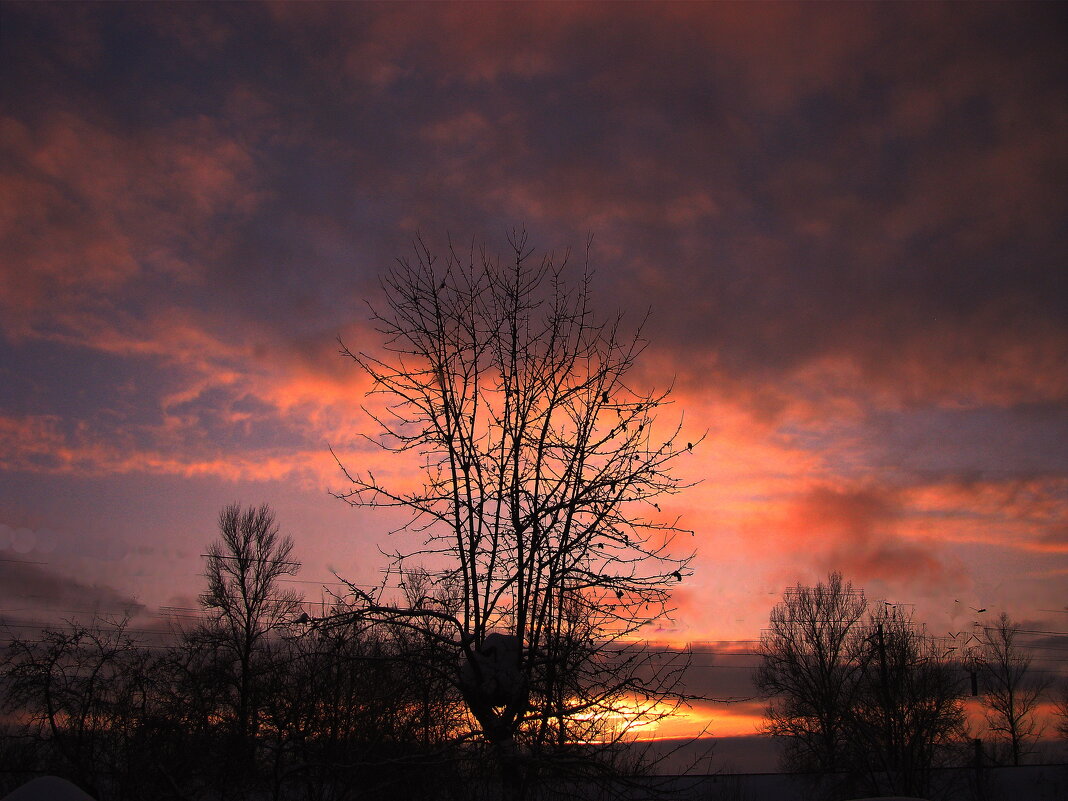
(245, 603)
(908, 708)
(811, 668)
(1060, 711)
(1011, 690)
(860, 692)
(540, 474)
(73, 690)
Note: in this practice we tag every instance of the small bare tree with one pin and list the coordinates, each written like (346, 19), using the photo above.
(539, 499)
(810, 668)
(76, 693)
(908, 711)
(861, 693)
(245, 603)
(1012, 692)
(1061, 710)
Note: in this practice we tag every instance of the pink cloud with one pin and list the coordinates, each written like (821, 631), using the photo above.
(862, 531)
(41, 445)
(1025, 514)
(90, 211)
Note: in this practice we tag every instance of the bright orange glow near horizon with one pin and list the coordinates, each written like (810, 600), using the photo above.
(703, 721)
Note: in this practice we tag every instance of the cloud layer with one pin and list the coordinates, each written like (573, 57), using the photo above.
(847, 225)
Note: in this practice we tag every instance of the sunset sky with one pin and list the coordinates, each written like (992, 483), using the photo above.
(848, 223)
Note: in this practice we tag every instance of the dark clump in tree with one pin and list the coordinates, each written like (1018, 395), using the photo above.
(541, 472)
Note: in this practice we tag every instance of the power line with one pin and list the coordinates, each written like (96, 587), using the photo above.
(251, 559)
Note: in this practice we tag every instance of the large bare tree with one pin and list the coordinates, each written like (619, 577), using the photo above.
(539, 503)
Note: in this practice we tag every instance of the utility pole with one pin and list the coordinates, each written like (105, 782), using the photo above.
(889, 718)
(980, 783)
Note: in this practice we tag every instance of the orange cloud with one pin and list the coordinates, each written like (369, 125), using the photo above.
(1017, 513)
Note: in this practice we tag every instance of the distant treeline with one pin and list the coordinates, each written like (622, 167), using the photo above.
(339, 712)
(864, 696)
(252, 697)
